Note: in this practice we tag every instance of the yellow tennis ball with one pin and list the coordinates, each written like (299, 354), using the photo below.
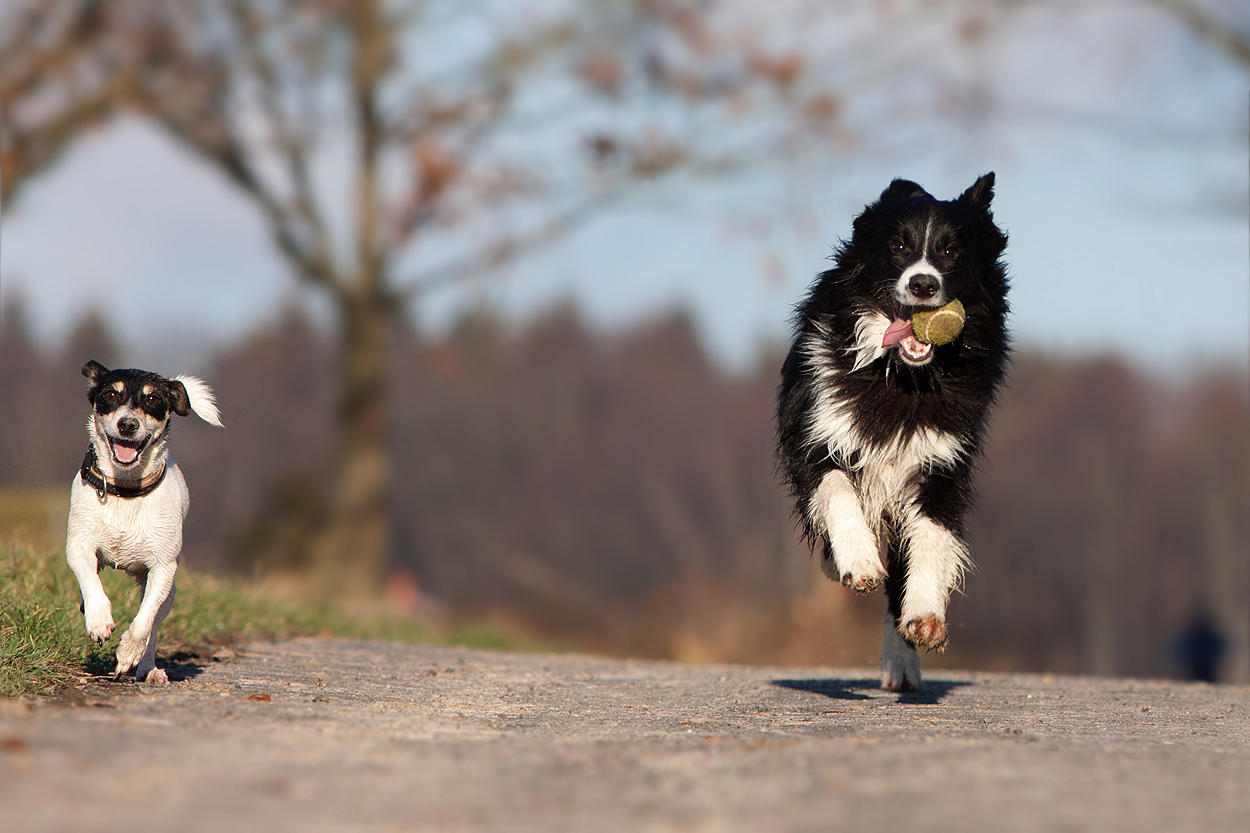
(939, 326)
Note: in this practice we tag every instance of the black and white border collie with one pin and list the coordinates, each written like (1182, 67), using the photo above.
(879, 432)
(128, 502)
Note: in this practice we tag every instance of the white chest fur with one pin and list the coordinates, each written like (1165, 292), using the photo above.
(132, 533)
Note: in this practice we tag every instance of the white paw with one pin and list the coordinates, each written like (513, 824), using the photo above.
(900, 664)
(130, 651)
(928, 631)
(156, 675)
(99, 618)
(863, 573)
(901, 673)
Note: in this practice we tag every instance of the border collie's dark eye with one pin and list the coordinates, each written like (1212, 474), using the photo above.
(898, 247)
(951, 252)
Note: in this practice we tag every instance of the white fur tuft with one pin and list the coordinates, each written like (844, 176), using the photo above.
(203, 402)
(869, 335)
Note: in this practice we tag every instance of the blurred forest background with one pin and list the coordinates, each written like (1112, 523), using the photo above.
(617, 493)
(605, 488)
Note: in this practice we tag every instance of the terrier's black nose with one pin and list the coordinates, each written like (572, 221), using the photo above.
(923, 286)
(128, 426)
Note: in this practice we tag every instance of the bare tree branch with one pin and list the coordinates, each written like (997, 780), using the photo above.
(1234, 43)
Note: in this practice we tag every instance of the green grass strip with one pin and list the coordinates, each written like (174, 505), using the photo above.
(44, 645)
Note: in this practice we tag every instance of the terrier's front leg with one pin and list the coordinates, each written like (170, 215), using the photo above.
(96, 607)
(852, 557)
(137, 648)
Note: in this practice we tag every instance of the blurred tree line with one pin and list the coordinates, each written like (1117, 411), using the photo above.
(616, 491)
(613, 488)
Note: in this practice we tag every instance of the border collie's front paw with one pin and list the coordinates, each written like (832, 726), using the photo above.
(865, 581)
(928, 631)
(901, 674)
(863, 575)
(900, 664)
(99, 620)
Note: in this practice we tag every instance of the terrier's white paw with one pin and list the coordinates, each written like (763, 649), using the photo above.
(100, 621)
(156, 675)
(130, 651)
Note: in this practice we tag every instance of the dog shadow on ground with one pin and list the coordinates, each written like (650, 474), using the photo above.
(180, 661)
(932, 693)
(176, 669)
(185, 661)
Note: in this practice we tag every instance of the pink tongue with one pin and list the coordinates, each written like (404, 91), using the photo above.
(896, 332)
(124, 453)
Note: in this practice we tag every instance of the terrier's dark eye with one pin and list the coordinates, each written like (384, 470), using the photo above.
(109, 395)
(154, 401)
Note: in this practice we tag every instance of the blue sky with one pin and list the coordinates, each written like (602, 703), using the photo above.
(1129, 233)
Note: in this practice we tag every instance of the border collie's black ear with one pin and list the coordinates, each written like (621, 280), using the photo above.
(182, 402)
(981, 192)
(898, 190)
(93, 370)
(904, 188)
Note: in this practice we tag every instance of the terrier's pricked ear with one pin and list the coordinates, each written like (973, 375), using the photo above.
(182, 402)
(93, 370)
(981, 192)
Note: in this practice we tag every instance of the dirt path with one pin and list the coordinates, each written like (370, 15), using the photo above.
(334, 735)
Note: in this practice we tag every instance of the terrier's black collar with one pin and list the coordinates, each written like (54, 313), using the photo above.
(93, 477)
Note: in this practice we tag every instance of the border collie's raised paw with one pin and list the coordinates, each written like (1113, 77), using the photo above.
(865, 581)
(863, 576)
(926, 631)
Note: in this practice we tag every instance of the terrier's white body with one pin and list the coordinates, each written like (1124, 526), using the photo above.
(140, 534)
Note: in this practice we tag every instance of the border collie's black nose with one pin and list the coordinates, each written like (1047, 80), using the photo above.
(923, 286)
(128, 426)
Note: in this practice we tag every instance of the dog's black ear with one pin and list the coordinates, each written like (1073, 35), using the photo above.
(182, 402)
(981, 192)
(900, 190)
(904, 189)
(93, 370)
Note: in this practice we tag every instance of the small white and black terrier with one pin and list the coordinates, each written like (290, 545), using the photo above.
(128, 503)
(879, 431)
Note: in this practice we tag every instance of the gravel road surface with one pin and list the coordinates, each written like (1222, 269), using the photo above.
(324, 734)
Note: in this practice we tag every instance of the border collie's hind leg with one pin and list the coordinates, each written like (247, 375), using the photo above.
(852, 556)
(900, 664)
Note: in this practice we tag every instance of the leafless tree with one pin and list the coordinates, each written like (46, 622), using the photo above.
(392, 148)
(361, 130)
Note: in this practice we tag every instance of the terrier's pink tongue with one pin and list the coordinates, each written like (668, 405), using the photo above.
(124, 453)
(896, 332)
